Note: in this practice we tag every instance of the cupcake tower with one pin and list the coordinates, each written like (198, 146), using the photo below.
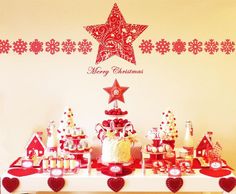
(72, 138)
(163, 138)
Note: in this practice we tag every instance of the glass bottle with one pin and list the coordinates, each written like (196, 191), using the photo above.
(188, 138)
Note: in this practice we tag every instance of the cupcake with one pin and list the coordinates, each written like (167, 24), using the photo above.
(66, 146)
(68, 132)
(75, 134)
(80, 148)
(81, 134)
(72, 148)
(86, 146)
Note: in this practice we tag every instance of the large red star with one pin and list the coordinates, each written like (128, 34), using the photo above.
(115, 37)
(116, 92)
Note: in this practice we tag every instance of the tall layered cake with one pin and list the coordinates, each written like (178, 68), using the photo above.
(117, 134)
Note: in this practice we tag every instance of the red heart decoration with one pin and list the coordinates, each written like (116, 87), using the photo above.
(116, 184)
(227, 184)
(174, 184)
(10, 184)
(56, 184)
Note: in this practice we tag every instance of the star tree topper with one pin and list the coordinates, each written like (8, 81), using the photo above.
(116, 92)
(115, 37)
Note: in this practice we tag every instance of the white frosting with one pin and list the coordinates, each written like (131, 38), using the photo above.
(116, 150)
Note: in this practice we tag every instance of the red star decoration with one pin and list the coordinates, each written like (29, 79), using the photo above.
(115, 37)
(116, 92)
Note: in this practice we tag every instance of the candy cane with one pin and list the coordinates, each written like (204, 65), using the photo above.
(125, 128)
(112, 126)
(101, 130)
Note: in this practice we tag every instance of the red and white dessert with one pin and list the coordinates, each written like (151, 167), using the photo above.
(163, 138)
(72, 138)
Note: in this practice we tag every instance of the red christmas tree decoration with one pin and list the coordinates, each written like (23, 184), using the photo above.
(116, 92)
(115, 37)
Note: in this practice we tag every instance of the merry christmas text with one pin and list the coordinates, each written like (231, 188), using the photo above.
(114, 69)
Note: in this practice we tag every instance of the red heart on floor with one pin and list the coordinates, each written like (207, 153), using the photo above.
(10, 184)
(22, 171)
(227, 184)
(174, 184)
(56, 184)
(116, 184)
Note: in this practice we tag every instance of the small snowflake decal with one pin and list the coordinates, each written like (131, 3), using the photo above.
(179, 46)
(85, 46)
(36, 46)
(52, 46)
(227, 46)
(211, 46)
(20, 46)
(195, 46)
(4, 46)
(146, 46)
(162, 46)
(68, 46)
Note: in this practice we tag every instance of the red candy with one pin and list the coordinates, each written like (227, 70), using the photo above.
(117, 122)
(115, 111)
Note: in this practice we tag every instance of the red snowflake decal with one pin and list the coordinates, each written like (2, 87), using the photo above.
(179, 46)
(195, 46)
(85, 46)
(52, 46)
(20, 46)
(4, 46)
(68, 46)
(227, 46)
(162, 46)
(36, 46)
(211, 46)
(146, 46)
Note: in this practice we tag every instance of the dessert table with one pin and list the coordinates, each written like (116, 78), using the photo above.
(138, 181)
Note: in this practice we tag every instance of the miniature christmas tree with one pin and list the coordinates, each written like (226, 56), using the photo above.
(168, 126)
(67, 123)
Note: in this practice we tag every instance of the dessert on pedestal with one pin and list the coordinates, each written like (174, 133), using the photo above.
(163, 139)
(71, 137)
(116, 134)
